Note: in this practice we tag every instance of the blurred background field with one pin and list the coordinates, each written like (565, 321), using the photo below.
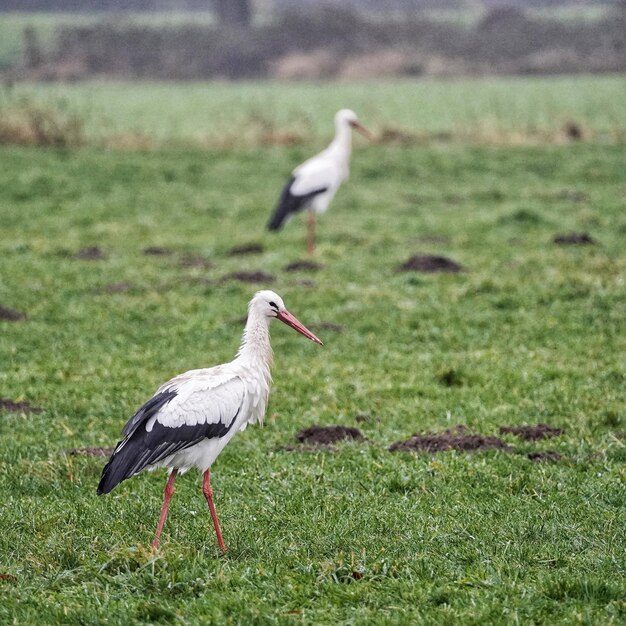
(485, 110)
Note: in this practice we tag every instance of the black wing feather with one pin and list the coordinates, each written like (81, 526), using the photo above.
(289, 203)
(141, 448)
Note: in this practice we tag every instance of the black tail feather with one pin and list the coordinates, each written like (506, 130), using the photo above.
(112, 475)
(121, 465)
(288, 204)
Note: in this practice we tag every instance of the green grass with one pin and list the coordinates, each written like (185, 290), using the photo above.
(530, 332)
(218, 113)
(533, 332)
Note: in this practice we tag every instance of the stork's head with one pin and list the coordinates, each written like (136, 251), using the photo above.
(269, 304)
(347, 117)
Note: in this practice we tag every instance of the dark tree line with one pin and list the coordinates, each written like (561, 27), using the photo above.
(230, 12)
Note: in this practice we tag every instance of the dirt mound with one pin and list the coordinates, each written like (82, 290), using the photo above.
(196, 260)
(302, 266)
(574, 239)
(547, 456)
(429, 263)
(573, 131)
(11, 315)
(325, 435)
(249, 277)
(157, 251)
(457, 438)
(103, 452)
(248, 248)
(8, 578)
(91, 253)
(532, 432)
(18, 407)
(397, 136)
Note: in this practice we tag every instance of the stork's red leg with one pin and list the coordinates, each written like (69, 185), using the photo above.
(310, 244)
(169, 492)
(208, 494)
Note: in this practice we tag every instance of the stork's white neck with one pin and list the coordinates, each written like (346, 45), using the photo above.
(255, 343)
(342, 143)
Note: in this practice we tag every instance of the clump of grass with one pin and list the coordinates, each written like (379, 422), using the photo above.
(27, 123)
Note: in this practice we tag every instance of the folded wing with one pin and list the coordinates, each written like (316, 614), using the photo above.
(181, 414)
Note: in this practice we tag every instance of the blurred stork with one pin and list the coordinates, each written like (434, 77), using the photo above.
(314, 183)
(190, 418)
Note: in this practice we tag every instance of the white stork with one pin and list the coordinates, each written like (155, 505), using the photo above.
(314, 183)
(190, 418)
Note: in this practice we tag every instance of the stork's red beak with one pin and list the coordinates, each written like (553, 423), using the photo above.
(287, 318)
(358, 126)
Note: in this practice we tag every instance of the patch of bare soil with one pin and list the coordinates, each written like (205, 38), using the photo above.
(302, 266)
(113, 288)
(574, 239)
(450, 378)
(457, 438)
(91, 253)
(249, 277)
(248, 248)
(103, 452)
(573, 131)
(18, 407)
(326, 435)
(196, 260)
(157, 251)
(430, 263)
(547, 456)
(397, 136)
(532, 432)
(9, 578)
(11, 315)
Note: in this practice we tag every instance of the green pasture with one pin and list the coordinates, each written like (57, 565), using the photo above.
(223, 113)
(530, 332)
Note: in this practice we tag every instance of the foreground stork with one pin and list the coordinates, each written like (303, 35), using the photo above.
(314, 183)
(190, 418)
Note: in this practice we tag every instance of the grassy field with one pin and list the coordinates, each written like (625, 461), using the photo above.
(530, 332)
(512, 110)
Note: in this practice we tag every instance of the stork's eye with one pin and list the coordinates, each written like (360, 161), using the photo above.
(273, 304)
